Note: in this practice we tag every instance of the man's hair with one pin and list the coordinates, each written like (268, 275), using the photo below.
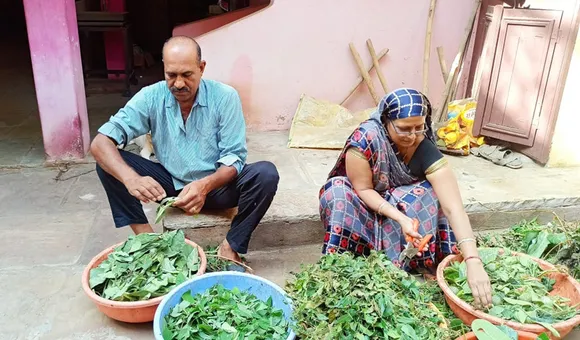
(182, 38)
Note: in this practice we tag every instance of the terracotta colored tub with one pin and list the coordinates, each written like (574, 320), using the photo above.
(133, 312)
(565, 286)
(521, 336)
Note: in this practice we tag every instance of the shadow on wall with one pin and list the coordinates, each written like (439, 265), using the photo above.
(201, 27)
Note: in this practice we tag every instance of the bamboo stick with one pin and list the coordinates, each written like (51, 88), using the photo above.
(377, 66)
(427, 51)
(455, 65)
(364, 73)
(442, 63)
(360, 78)
(449, 85)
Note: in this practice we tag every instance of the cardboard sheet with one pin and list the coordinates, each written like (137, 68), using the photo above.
(320, 124)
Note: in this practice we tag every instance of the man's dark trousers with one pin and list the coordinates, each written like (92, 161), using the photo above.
(252, 191)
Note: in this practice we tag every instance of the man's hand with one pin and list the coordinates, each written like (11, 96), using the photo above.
(192, 198)
(145, 189)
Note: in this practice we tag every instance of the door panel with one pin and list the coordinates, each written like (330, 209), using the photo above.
(516, 74)
(478, 57)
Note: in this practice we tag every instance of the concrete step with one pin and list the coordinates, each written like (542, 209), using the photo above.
(494, 197)
(282, 230)
(289, 222)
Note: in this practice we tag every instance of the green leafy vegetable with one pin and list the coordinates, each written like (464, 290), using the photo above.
(455, 326)
(215, 263)
(145, 266)
(485, 330)
(557, 243)
(165, 204)
(520, 289)
(347, 297)
(220, 313)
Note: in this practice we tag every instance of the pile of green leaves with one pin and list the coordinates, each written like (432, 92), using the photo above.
(225, 314)
(215, 263)
(347, 297)
(145, 266)
(557, 243)
(433, 292)
(520, 289)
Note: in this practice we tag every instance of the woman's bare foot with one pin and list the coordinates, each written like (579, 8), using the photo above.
(226, 251)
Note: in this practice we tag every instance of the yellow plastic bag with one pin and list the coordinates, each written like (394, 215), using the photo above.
(457, 134)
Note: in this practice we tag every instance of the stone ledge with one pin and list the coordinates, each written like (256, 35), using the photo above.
(278, 230)
(522, 205)
(292, 219)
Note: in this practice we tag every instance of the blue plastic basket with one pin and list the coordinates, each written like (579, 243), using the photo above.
(261, 288)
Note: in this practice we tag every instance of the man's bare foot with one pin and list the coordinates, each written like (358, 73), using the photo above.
(226, 251)
(142, 228)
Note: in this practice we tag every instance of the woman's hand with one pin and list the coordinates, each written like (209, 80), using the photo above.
(410, 228)
(478, 281)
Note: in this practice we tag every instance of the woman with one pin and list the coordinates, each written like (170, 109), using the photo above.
(390, 173)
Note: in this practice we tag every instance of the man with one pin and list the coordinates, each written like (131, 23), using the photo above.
(199, 135)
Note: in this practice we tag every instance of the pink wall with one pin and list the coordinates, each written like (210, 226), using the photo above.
(301, 46)
(58, 78)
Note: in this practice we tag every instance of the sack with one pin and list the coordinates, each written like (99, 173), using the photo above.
(457, 133)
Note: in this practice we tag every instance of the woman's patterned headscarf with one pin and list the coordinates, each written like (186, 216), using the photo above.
(404, 103)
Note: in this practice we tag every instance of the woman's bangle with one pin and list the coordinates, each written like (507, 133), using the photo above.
(464, 240)
(381, 208)
(471, 258)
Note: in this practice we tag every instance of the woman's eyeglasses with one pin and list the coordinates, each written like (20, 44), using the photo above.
(408, 133)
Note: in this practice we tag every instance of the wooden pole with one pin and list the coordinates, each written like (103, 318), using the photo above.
(427, 51)
(364, 73)
(455, 65)
(360, 78)
(442, 63)
(377, 66)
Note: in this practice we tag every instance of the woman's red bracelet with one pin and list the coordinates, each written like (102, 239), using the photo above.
(472, 257)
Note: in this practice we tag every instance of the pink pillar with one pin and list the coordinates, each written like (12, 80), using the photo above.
(114, 43)
(56, 63)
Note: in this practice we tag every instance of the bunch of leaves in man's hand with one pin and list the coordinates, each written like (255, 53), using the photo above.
(225, 314)
(520, 289)
(347, 297)
(145, 266)
(165, 204)
(557, 243)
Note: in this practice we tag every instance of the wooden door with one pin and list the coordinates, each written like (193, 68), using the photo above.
(474, 81)
(518, 84)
